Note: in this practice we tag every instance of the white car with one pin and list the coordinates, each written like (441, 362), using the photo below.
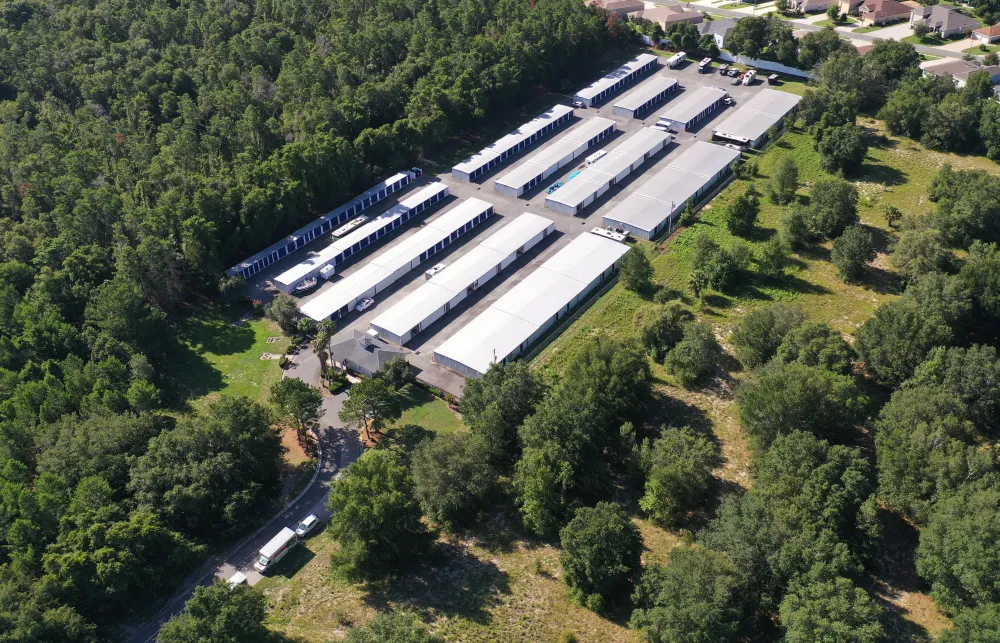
(579, 104)
(306, 525)
(364, 304)
(734, 146)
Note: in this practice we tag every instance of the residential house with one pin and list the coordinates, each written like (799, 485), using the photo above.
(882, 12)
(718, 29)
(667, 15)
(364, 353)
(850, 6)
(944, 20)
(960, 70)
(811, 6)
(621, 7)
(987, 35)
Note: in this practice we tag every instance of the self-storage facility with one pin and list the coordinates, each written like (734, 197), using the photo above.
(556, 156)
(341, 249)
(385, 269)
(692, 108)
(613, 167)
(645, 96)
(618, 79)
(522, 138)
(524, 313)
(471, 271)
(647, 211)
(749, 124)
(327, 222)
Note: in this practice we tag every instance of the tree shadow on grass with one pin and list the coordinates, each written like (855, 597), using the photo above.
(191, 375)
(883, 174)
(451, 582)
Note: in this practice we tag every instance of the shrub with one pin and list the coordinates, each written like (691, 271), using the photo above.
(696, 356)
(761, 331)
(852, 252)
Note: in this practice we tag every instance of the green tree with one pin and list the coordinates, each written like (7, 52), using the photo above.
(220, 614)
(815, 344)
(795, 397)
(761, 331)
(977, 625)
(284, 312)
(896, 339)
(376, 517)
(324, 334)
(496, 405)
(822, 607)
(396, 373)
(696, 356)
(842, 149)
(689, 216)
(696, 598)
(772, 256)
(852, 252)
(833, 13)
(919, 251)
(298, 401)
(970, 375)
(600, 556)
(636, 273)
(892, 215)
(741, 214)
(833, 207)
(959, 551)
(817, 46)
(371, 404)
(679, 475)
(391, 627)
(662, 327)
(784, 181)
(452, 478)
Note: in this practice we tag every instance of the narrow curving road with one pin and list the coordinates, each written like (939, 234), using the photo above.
(339, 447)
(805, 26)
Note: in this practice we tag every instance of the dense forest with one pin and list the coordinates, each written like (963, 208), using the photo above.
(145, 146)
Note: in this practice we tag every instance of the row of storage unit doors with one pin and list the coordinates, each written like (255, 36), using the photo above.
(528, 142)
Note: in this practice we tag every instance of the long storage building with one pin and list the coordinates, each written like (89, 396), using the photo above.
(645, 96)
(383, 270)
(523, 137)
(362, 237)
(613, 167)
(252, 265)
(612, 83)
(749, 124)
(524, 313)
(471, 271)
(648, 210)
(693, 108)
(550, 160)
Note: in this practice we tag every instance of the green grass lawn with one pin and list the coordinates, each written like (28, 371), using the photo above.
(869, 29)
(832, 23)
(927, 41)
(217, 358)
(428, 411)
(977, 51)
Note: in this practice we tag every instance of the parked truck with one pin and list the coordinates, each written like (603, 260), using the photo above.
(275, 549)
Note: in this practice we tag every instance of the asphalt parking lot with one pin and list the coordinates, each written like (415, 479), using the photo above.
(421, 347)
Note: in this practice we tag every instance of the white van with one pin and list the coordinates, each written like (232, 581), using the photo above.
(275, 549)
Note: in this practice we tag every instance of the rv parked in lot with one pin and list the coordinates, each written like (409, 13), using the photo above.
(275, 549)
(676, 59)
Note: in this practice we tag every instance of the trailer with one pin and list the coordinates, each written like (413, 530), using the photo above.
(676, 59)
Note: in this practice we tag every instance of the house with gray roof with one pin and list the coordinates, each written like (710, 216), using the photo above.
(944, 20)
(718, 29)
(364, 353)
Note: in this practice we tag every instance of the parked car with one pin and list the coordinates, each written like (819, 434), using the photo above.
(723, 69)
(306, 525)
(555, 186)
(729, 100)
(364, 304)
(737, 81)
(579, 104)
(733, 72)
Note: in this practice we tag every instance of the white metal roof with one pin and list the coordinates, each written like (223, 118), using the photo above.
(276, 543)
(705, 159)
(645, 92)
(641, 211)
(543, 159)
(643, 141)
(343, 292)
(588, 129)
(512, 139)
(693, 104)
(460, 274)
(575, 192)
(757, 115)
(605, 82)
(520, 312)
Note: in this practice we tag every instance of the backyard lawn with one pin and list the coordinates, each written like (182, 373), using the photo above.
(432, 413)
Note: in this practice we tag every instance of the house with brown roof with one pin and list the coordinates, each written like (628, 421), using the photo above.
(944, 20)
(960, 70)
(987, 35)
(882, 12)
(667, 15)
(621, 7)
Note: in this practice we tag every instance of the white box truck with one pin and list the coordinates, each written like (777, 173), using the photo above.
(275, 549)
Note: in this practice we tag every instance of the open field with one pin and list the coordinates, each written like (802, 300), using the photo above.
(428, 411)
(217, 358)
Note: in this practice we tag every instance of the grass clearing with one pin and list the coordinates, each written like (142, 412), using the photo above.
(930, 40)
(495, 588)
(979, 50)
(216, 358)
(432, 413)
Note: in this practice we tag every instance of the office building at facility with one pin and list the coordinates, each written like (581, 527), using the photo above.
(556, 156)
(692, 108)
(523, 314)
(620, 78)
(298, 239)
(749, 124)
(445, 290)
(645, 96)
(613, 167)
(522, 138)
(649, 209)
(385, 269)
(362, 237)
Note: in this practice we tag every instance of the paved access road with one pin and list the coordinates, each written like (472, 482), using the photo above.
(339, 447)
